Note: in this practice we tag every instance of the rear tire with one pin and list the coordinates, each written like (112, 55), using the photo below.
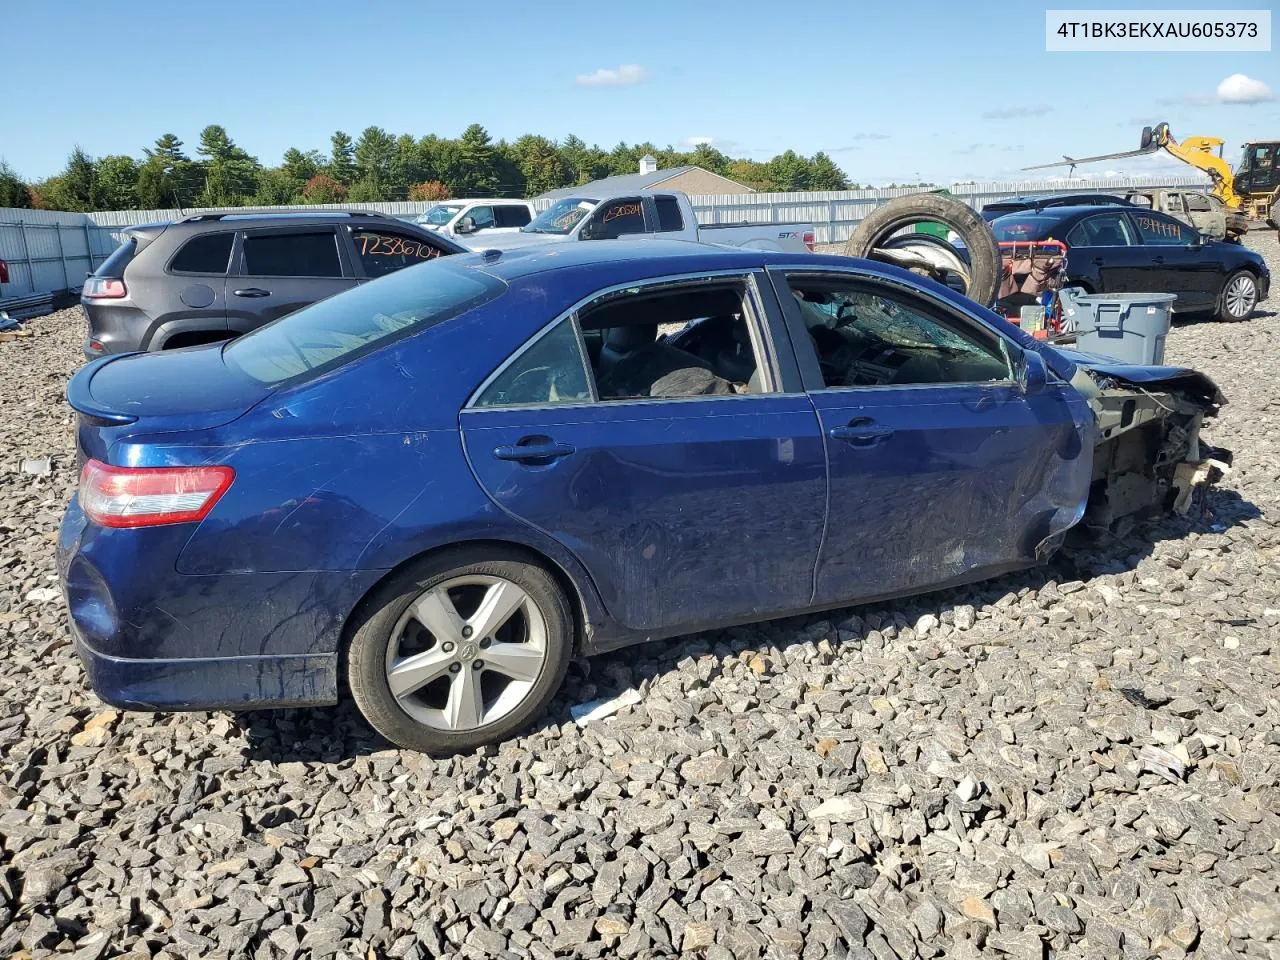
(429, 629)
(1239, 297)
(984, 255)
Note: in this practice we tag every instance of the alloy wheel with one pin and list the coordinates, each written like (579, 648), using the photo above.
(1241, 296)
(466, 652)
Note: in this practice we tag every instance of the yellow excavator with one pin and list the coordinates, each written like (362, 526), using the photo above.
(1253, 189)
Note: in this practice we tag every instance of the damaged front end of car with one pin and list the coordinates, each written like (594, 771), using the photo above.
(1149, 458)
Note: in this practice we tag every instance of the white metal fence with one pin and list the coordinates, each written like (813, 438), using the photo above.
(48, 252)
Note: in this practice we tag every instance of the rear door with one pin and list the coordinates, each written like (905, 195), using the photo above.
(1176, 261)
(281, 269)
(687, 508)
(940, 468)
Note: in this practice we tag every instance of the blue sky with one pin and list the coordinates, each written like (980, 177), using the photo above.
(893, 91)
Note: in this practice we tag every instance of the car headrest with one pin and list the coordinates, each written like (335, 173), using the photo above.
(631, 337)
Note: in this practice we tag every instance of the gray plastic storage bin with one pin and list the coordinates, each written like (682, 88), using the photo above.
(1129, 327)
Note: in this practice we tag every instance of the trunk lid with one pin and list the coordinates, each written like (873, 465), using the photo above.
(149, 393)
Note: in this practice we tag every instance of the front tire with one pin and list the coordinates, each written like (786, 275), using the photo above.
(459, 650)
(1239, 297)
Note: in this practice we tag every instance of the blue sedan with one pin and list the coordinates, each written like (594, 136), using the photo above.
(431, 492)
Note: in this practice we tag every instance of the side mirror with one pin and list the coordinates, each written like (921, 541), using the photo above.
(592, 230)
(465, 225)
(1032, 374)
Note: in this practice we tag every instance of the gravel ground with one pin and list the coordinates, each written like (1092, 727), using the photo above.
(956, 775)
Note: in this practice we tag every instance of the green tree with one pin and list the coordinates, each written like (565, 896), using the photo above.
(302, 166)
(342, 164)
(709, 158)
(825, 175)
(14, 191)
(375, 152)
(230, 174)
(788, 171)
(541, 164)
(365, 191)
(276, 187)
(477, 167)
(117, 186)
(167, 178)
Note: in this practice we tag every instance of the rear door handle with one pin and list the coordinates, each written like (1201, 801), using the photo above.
(544, 451)
(1098, 261)
(861, 432)
(252, 292)
(1157, 259)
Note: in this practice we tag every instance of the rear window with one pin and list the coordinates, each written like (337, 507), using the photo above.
(292, 255)
(207, 253)
(669, 214)
(1016, 227)
(335, 331)
(114, 265)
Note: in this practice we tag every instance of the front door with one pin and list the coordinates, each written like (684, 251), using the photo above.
(1102, 250)
(692, 490)
(282, 269)
(1176, 261)
(940, 468)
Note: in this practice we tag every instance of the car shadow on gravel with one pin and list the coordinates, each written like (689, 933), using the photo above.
(339, 733)
(1195, 319)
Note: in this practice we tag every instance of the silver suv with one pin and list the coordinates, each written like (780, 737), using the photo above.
(214, 276)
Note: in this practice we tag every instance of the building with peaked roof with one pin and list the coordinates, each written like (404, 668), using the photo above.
(688, 178)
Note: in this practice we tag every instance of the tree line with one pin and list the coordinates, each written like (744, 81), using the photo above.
(377, 166)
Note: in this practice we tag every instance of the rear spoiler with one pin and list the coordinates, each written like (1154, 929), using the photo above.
(82, 401)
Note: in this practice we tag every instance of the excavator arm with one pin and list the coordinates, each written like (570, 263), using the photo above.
(1199, 152)
(1203, 153)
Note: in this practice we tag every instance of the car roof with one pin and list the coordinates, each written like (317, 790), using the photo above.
(638, 257)
(1062, 214)
(281, 216)
(1061, 199)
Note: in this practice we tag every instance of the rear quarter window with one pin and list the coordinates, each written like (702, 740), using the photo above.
(336, 331)
(207, 253)
(114, 265)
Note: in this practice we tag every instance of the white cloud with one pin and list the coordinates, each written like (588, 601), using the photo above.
(1238, 88)
(627, 75)
(699, 141)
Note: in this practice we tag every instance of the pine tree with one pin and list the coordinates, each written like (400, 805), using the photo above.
(13, 190)
(825, 175)
(478, 174)
(342, 165)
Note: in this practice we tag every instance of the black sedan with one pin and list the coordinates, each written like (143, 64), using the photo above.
(1131, 250)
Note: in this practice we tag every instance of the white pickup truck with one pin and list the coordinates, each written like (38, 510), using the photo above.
(666, 214)
(461, 218)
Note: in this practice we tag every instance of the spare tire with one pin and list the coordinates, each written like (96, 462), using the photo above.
(886, 220)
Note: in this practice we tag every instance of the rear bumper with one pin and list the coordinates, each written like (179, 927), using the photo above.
(208, 651)
(224, 683)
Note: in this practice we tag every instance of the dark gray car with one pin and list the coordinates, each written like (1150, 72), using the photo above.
(214, 276)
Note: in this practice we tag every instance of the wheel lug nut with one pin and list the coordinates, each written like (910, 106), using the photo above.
(455, 667)
(477, 664)
(447, 647)
(467, 631)
(484, 644)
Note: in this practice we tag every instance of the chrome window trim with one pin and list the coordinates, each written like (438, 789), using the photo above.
(750, 274)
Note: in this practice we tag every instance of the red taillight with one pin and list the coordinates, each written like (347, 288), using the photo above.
(4, 272)
(808, 240)
(150, 496)
(104, 288)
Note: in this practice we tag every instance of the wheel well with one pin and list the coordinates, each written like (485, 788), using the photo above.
(364, 606)
(194, 338)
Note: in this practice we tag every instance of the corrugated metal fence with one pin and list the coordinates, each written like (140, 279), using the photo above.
(48, 252)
